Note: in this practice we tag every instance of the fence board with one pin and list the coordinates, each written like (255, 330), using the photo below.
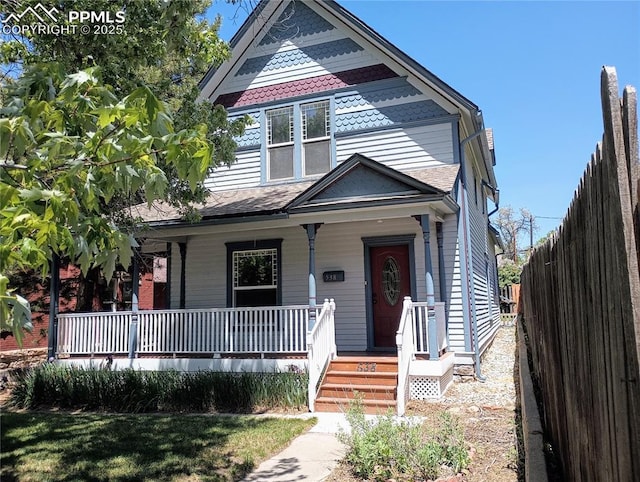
(581, 306)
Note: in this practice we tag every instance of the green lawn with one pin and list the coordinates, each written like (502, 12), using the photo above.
(106, 447)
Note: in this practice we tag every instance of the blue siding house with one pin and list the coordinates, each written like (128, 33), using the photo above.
(353, 228)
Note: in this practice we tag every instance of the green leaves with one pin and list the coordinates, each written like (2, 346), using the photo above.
(76, 151)
(71, 166)
(15, 315)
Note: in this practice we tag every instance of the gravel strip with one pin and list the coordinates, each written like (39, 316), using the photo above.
(497, 366)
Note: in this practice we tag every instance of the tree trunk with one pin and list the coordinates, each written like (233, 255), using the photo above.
(89, 294)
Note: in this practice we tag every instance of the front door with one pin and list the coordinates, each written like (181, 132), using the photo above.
(390, 283)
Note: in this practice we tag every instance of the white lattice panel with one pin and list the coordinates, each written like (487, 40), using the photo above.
(424, 387)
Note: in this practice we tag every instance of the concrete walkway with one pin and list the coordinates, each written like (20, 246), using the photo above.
(311, 457)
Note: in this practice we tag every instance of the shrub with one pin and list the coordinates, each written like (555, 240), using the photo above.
(60, 386)
(383, 449)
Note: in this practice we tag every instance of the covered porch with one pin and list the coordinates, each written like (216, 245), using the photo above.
(245, 280)
(250, 339)
(263, 332)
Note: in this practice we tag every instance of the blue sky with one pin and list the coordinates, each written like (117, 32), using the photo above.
(532, 67)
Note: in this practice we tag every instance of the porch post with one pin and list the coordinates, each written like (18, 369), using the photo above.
(183, 271)
(423, 219)
(54, 296)
(441, 273)
(135, 290)
(167, 289)
(312, 229)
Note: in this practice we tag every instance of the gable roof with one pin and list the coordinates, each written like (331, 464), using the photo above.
(267, 12)
(362, 181)
(260, 31)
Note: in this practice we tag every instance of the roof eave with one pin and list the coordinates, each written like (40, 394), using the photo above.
(395, 53)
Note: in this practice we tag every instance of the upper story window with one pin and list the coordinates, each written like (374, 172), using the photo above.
(316, 144)
(298, 141)
(280, 140)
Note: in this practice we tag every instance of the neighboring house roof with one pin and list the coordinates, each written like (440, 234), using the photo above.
(430, 184)
(495, 235)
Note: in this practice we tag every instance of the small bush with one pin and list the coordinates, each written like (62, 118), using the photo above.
(385, 449)
(131, 391)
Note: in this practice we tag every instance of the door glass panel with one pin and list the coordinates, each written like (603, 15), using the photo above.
(391, 281)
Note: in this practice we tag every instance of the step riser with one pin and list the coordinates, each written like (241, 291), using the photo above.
(364, 367)
(374, 378)
(347, 380)
(349, 394)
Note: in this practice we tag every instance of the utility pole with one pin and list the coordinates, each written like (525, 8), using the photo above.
(530, 234)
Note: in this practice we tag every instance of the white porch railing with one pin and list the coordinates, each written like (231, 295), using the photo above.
(321, 347)
(90, 333)
(423, 330)
(405, 339)
(260, 330)
(227, 330)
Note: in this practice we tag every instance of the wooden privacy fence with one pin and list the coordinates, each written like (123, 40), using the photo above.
(581, 308)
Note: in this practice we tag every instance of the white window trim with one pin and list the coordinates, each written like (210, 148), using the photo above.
(298, 140)
(281, 144)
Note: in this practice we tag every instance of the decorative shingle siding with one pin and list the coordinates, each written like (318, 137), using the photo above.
(366, 96)
(294, 88)
(250, 138)
(388, 116)
(296, 21)
(252, 133)
(287, 59)
(302, 54)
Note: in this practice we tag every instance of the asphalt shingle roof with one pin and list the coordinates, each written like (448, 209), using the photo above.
(274, 198)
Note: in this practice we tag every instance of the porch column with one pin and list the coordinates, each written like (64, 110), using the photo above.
(312, 229)
(54, 296)
(135, 290)
(167, 289)
(441, 273)
(183, 271)
(423, 219)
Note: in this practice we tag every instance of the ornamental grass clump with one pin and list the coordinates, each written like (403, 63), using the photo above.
(135, 391)
(385, 448)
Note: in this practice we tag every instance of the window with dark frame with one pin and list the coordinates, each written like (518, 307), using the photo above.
(253, 273)
(255, 277)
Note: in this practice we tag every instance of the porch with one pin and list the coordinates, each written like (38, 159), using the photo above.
(276, 338)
